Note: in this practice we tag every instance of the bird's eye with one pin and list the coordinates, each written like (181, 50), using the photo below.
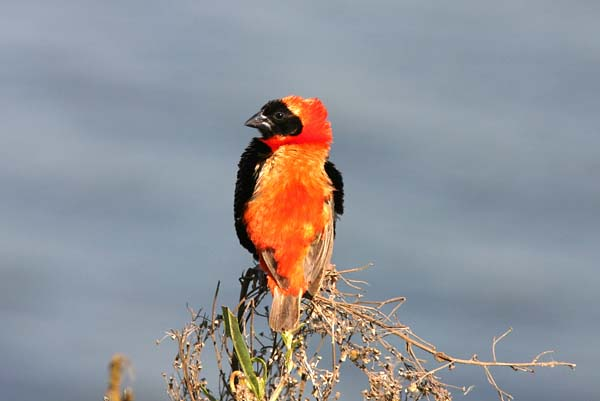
(278, 115)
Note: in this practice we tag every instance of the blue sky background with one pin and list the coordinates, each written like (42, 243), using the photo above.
(467, 132)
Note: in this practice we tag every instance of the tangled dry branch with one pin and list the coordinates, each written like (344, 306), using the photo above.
(339, 327)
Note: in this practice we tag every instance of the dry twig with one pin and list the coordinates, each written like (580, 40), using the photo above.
(359, 332)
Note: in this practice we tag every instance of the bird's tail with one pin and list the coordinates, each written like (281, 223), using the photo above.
(285, 311)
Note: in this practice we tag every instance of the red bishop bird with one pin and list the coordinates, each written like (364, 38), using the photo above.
(287, 197)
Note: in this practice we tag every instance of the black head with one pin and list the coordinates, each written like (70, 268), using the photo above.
(275, 119)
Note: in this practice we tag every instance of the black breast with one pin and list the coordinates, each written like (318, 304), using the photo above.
(249, 167)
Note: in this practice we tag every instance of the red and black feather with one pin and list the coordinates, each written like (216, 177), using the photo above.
(249, 167)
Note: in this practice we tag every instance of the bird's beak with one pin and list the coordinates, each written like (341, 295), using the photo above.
(258, 121)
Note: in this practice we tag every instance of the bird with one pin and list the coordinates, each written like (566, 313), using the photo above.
(288, 196)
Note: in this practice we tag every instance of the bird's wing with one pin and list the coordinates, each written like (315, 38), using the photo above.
(338, 190)
(267, 259)
(318, 259)
(249, 167)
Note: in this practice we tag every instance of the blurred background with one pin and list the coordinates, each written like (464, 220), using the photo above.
(467, 132)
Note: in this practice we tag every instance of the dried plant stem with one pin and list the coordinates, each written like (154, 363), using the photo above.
(118, 364)
(358, 331)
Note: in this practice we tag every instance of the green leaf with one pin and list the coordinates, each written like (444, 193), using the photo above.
(207, 393)
(288, 340)
(232, 329)
(263, 379)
